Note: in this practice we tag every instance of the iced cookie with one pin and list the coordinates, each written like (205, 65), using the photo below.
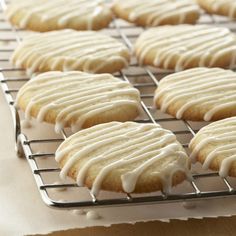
(219, 7)
(78, 99)
(124, 157)
(185, 46)
(158, 12)
(47, 15)
(66, 50)
(198, 94)
(215, 147)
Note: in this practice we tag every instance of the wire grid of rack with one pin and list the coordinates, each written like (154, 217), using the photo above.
(146, 80)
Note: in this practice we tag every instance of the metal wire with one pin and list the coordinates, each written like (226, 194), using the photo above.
(24, 145)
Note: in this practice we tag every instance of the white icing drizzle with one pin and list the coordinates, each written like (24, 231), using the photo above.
(73, 50)
(211, 90)
(130, 146)
(157, 11)
(63, 11)
(183, 43)
(216, 5)
(220, 137)
(76, 96)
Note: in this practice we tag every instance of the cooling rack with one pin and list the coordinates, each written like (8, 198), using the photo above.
(43, 166)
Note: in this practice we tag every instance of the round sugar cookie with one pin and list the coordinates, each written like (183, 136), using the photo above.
(158, 12)
(47, 15)
(215, 147)
(219, 7)
(198, 94)
(78, 99)
(181, 47)
(124, 157)
(66, 50)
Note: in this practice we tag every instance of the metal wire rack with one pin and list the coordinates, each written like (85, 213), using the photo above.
(146, 80)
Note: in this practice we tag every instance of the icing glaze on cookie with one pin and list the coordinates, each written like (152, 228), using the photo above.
(130, 146)
(212, 89)
(76, 96)
(61, 10)
(157, 11)
(184, 43)
(87, 50)
(221, 135)
(216, 6)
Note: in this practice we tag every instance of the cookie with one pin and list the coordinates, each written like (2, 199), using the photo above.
(124, 157)
(78, 99)
(44, 15)
(215, 147)
(153, 13)
(219, 7)
(66, 50)
(198, 94)
(181, 47)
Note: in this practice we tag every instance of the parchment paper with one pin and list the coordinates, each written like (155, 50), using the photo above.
(23, 212)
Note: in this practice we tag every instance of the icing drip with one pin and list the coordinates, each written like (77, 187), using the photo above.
(189, 205)
(218, 4)
(92, 215)
(130, 146)
(181, 44)
(26, 124)
(72, 50)
(76, 96)
(78, 212)
(62, 11)
(61, 189)
(221, 138)
(211, 89)
(157, 11)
